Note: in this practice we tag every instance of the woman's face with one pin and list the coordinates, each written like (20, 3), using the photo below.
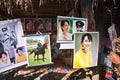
(86, 44)
(20, 52)
(65, 27)
(4, 58)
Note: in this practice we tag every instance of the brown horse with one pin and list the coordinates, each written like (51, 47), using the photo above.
(40, 51)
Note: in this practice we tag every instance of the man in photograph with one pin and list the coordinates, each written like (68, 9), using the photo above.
(8, 39)
(79, 26)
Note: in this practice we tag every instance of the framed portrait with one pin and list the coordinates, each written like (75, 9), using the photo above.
(64, 29)
(11, 37)
(38, 49)
(67, 26)
(80, 24)
(85, 49)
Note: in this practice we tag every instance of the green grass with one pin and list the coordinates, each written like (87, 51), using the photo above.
(47, 59)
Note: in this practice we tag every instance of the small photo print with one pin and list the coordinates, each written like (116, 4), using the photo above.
(85, 49)
(20, 54)
(80, 24)
(4, 59)
(38, 49)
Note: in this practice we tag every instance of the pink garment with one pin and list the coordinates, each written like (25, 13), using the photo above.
(30, 26)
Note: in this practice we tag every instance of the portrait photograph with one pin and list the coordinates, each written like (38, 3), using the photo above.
(11, 37)
(64, 29)
(80, 24)
(20, 54)
(38, 49)
(85, 49)
(4, 59)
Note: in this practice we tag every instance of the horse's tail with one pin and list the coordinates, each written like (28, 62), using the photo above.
(31, 52)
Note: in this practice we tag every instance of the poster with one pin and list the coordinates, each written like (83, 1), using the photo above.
(85, 49)
(38, 49)
(11, 40)
(112, 36)
(33, 25)
(67, 26)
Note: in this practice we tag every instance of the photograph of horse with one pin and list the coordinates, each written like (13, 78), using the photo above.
(39, 51)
